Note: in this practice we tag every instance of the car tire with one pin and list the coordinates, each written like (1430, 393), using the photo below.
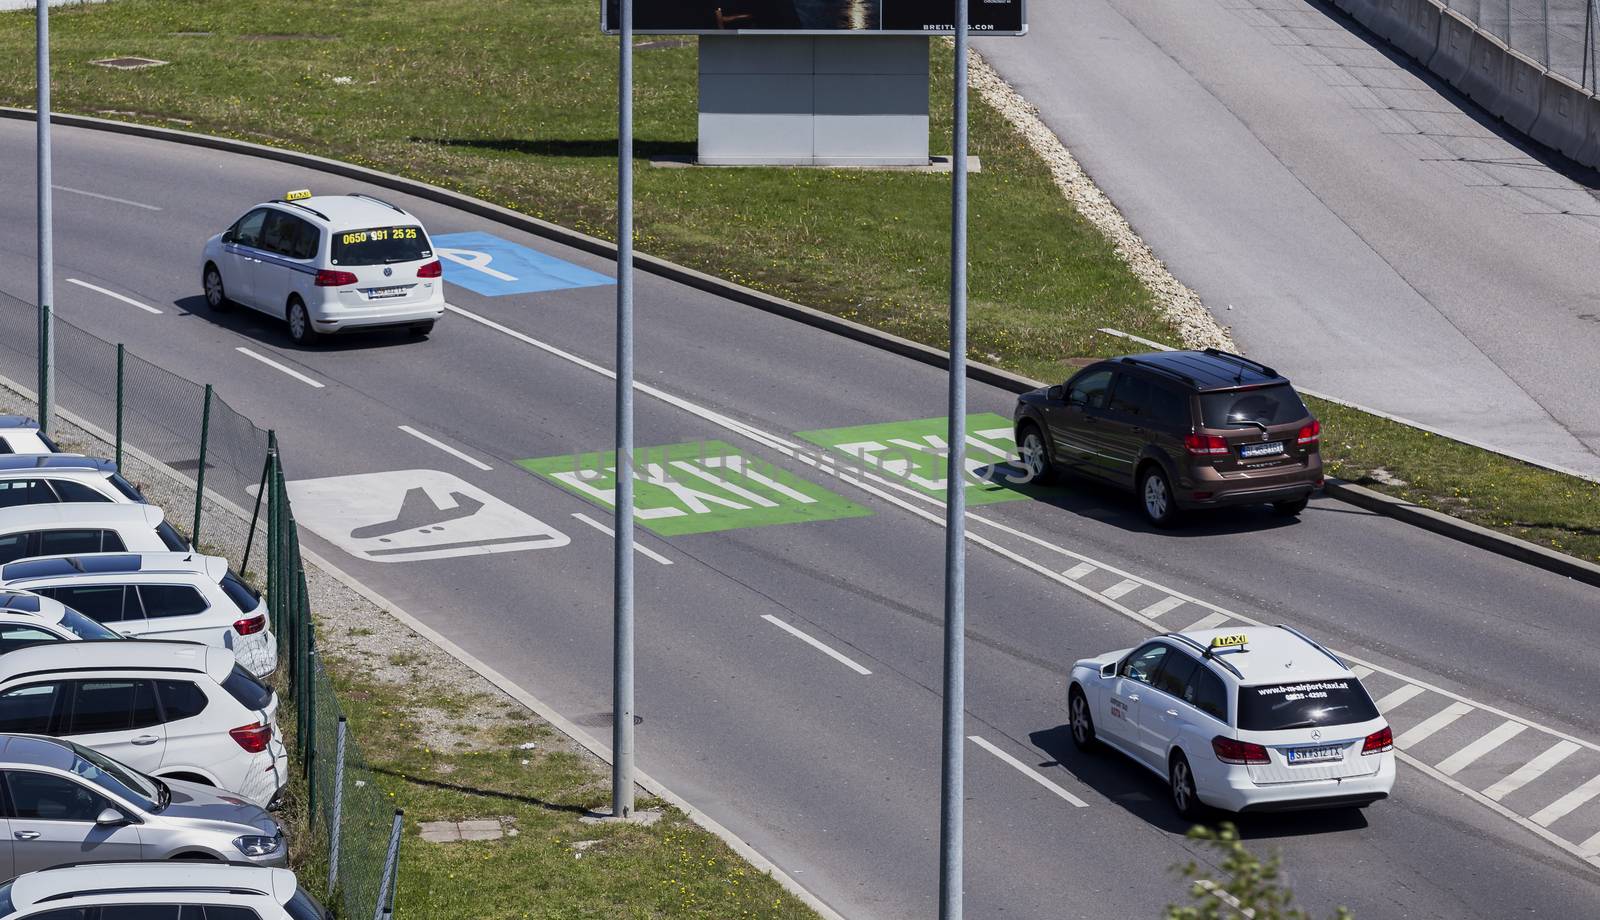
(1081, 720)
(1290, 508)
(1034, 451)
(1180, 780)
(216, 294)
(422, 330)
(300, 331)
(1156, 498)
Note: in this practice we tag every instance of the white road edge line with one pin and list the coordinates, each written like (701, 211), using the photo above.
(640, 548)
(114, 295)
(276, 366)
(816, 644)
(446, 448)
(1025, 771)
(79, 191)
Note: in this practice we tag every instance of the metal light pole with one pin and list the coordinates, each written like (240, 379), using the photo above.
(47, 338)
(622, 654)
(951, 812)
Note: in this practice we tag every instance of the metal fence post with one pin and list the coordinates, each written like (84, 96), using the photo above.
(622, 548)
(391, 866)
(121, 354)
(200, 474)
(336, 821)
(46, 228)
(255, 516)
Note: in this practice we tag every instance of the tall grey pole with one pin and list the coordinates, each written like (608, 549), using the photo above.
(47, 338)
(622, 657)
(951, 815)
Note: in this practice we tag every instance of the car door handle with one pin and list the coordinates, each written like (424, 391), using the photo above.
(26, 835)
(1133, 697)
(1172, 712)
(146, 739)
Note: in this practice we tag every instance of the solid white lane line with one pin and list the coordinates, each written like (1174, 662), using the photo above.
(446, 448)
(640, 548)
(1564, 806)
(1120, 588)
(1078, 571)
(1425, 729)
(79, 191)
(1468, 755)
(1398, 697)
(1361, 671)
(1531, 770)
(819, 646)
(276, 366)
(1025, 770)
(1162, 606)
(1209, 621)
(114, 295)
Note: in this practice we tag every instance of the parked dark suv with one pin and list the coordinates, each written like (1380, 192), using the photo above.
(1183, 429)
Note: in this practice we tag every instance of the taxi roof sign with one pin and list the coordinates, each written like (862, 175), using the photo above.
(1235, 642)
(298, 194)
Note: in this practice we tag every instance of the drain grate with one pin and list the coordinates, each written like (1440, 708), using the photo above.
(129, 63)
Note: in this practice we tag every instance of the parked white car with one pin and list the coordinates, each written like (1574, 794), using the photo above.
(28, 619)
(175, 710)
(21, 435)
(50, 478)
(28, 531)
(158, 596)
(142, 890)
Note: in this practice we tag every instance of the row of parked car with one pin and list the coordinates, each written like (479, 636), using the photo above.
(119, 757)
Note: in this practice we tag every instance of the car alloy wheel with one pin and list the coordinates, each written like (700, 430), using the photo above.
(216, 297)
(299, 323)
(1157, 500)
(1035, 456)
(1184, 797)
(1082, 722)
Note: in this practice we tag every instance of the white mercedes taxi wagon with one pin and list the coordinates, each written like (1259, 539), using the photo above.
(1264, 719)
(326, 264)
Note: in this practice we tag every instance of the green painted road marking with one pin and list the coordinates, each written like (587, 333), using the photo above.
(700, 487)
(914, 453)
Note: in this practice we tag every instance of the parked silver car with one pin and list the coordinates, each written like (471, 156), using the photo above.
(70, 804)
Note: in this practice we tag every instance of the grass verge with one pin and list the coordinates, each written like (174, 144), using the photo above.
(513, 102)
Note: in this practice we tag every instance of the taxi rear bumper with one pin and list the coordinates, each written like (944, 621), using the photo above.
(1230, 788)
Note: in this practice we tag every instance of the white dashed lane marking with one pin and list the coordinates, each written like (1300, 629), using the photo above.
(1209, 621)
(1026, 771)
(1078, 571)
(1426, 729)
(1398, 697)
(638, 547)
(816, 644)
(1470, 754)
(114, 295)
(1565, 805)
(1532, 770)
(1120, 588)
(280, 367)
(1164, 605)
(469, 460)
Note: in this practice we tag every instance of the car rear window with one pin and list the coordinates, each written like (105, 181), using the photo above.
(380, 246)
(301, 907)
(170, 538)
(252, 694)
(1271, 405)
(240, 593)
(1274, 707)
(126, 488)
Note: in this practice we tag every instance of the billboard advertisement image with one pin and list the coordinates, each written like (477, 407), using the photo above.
(817, 17)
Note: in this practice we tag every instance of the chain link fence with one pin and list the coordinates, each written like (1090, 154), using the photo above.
(151, 417)
(1561, 35)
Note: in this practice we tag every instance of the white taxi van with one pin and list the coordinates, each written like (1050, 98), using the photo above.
(327, 264)
(1260, 720)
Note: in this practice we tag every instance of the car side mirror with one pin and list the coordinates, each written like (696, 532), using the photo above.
(1056, 393)
(1108, 670)
(111, 818)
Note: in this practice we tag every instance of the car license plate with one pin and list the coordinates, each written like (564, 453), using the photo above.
(1269, 449)
(382, 292)
(1314, 754)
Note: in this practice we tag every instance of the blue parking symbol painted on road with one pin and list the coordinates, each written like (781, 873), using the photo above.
(486, 264)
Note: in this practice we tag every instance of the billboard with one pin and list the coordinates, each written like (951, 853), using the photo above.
(817, 17)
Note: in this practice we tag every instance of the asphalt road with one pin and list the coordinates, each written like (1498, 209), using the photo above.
(1358, 224)
(832, 772)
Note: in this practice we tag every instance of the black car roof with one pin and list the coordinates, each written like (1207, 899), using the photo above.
(54, 462)
(1207, 370)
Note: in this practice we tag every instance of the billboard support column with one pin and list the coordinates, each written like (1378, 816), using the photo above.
(46, 227)
(952, 773)
(622, 646)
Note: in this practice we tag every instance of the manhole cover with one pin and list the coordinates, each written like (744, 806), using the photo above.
(602, 719)
(128, 63)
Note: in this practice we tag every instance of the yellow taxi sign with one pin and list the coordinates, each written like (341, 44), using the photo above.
(1237, 641)
(298, 194)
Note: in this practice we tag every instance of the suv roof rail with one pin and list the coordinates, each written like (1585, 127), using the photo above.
(1161, 369)
(380, 201)
(296, 204)
(1247, 362)
(1206, 653)
(150, 889)
(1314, 644)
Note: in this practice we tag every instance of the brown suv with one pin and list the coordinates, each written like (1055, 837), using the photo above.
(1183, 429)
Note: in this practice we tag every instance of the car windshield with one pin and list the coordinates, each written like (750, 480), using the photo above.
(84, 628)
(380, 246)
(1273, 405)
(124, 782)
(1275, 707)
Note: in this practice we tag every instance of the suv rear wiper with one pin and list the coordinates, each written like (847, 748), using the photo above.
(1246, 421)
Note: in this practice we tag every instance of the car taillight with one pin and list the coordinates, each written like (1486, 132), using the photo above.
(1310, 434)
(1231, 751)
(1378, 742)
(250, 625)
(253, 738)
(432, 270)
(1205, 444)
(329, 278)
